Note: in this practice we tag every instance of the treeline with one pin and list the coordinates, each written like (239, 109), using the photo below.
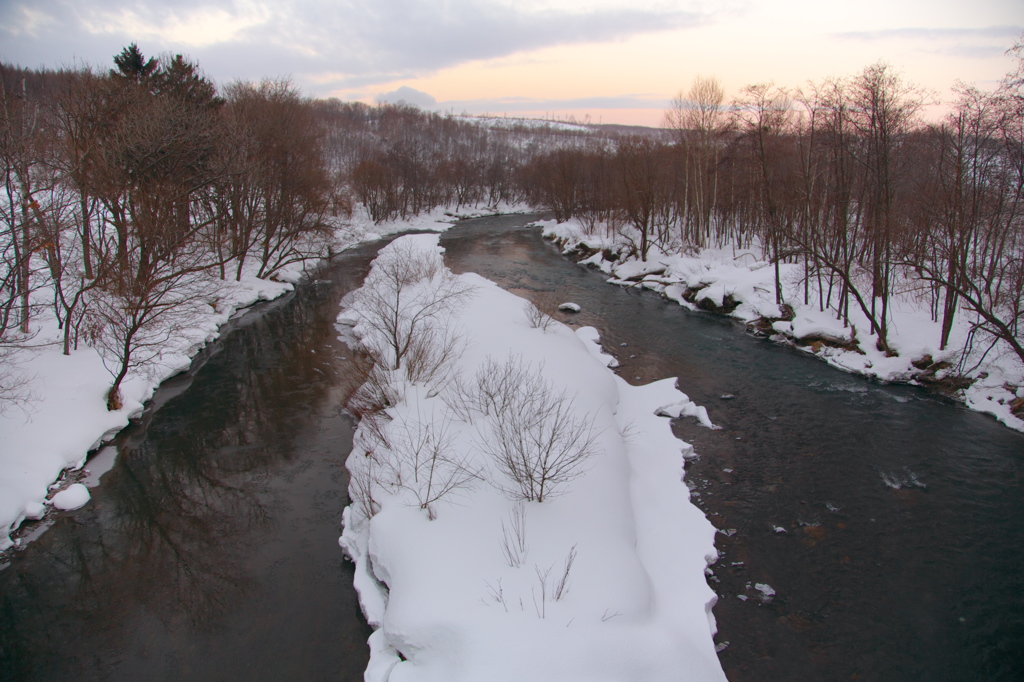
(398, 161)
(843, 177)
(127, 192)
(124, 190)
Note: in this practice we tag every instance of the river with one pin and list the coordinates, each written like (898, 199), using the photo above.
(210, 550)
(889, 523)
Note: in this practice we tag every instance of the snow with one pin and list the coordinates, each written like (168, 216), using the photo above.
(73, 497)
(512, 122)
(767, 592)
(569, 307)
(743, 275)
(603, 580)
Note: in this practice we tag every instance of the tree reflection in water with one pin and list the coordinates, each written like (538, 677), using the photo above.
(220, 500)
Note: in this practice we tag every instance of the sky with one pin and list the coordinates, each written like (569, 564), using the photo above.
(603, 61)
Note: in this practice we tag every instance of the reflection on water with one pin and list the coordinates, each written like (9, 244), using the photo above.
(889, 523)
(210, 550)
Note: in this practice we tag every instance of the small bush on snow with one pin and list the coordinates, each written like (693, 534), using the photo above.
(533, 433)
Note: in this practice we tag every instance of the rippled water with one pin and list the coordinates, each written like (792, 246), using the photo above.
(209, 551)
(889, 523)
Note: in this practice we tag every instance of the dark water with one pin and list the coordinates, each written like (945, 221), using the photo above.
(924, 581)
(210, 550)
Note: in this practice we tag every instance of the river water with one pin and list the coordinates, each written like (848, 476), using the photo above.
(889, 523)
(210, 550)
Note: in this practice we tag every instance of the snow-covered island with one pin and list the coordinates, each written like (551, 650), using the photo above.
(518, 510)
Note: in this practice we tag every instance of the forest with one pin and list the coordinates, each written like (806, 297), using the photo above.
(131, 191)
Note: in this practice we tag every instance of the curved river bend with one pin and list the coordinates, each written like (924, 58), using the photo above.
(889, 524)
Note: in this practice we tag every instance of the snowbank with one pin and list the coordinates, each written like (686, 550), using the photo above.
(463, 572)
(740, 283)
(66, 415)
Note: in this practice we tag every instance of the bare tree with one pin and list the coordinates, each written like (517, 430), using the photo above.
(642, 191)
(275, 201)
(697, 120)
(886, 108)
(765, 115)
(971, 238)
(158, 157)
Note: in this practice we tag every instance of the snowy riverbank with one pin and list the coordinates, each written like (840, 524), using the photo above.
(740, 283)
(518, 509)
(64, 415)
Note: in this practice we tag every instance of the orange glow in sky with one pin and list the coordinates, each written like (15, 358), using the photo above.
(616, 61)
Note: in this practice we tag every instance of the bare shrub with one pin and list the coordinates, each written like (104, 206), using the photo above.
(460, 397)
(431, 354)
(425, 462)
(534, 435)
(497, 594)
(535, 311)
(555, 590)
(496, 383)
(561, 587)
(370, 400)
(535, 317)
(364, 479)
(488, 391)
(407, 295)
(513, 536)
(542, 578)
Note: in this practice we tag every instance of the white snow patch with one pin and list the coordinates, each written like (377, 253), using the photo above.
(35, 511)
(767, 591)
(591, 338)
(75, 496)
(687, 408)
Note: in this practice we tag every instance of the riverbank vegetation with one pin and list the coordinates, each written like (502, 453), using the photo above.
(844, 178)
(128, 193)
(858, 208)
(126, 189)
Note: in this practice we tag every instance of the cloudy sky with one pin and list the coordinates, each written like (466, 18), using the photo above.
(616, 61)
